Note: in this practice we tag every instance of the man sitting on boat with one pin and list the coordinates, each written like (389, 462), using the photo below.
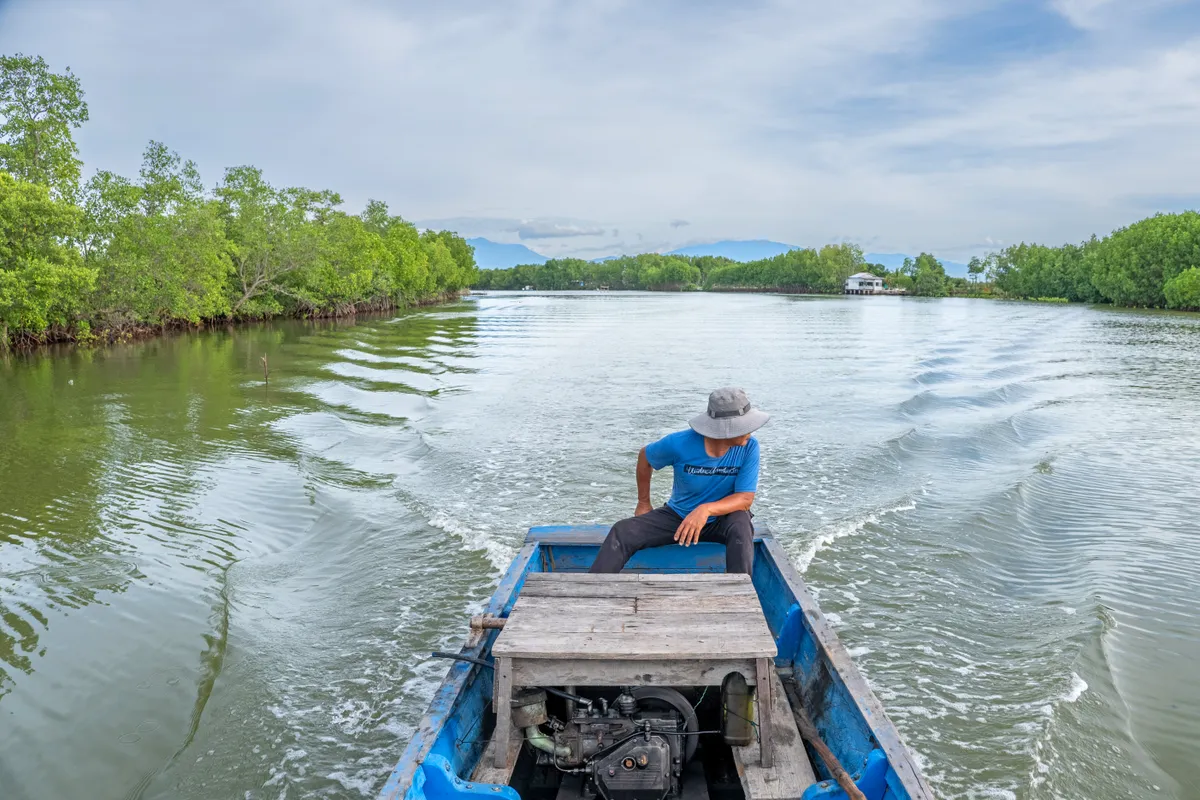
(716, 475)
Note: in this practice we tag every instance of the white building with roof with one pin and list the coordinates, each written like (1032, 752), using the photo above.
(864, 283)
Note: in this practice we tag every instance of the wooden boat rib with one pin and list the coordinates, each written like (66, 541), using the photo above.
(446, 758)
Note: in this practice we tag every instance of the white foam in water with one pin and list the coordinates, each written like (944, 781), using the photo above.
(843, 528)
(1078, 687)
(499, 553)
(363, 784)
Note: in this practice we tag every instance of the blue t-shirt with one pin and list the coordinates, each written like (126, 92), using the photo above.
(700, 478)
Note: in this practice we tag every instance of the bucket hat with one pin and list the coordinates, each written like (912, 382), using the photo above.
(729, 415)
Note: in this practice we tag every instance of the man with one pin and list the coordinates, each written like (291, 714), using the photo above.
(716, 475)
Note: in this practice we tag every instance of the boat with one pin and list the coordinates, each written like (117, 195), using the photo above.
(664, 743)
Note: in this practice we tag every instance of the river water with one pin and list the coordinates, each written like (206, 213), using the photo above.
(216, 588)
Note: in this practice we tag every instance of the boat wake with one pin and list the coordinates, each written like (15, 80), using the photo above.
(804, 551)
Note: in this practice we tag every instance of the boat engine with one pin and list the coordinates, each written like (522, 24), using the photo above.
(632, 749)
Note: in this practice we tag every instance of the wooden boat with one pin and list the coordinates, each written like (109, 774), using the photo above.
(818, 693)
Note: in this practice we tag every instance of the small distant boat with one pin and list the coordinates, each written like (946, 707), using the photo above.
(632, 694)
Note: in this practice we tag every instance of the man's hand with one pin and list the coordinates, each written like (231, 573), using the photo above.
(688, 532)
(643, 507)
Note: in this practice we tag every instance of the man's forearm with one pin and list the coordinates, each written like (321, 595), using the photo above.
(738, 501)
(644, 471)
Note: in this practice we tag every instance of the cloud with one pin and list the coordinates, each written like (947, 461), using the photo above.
(501, 228)
(490, 227)
(908, 123)
(535, 229)
(679, 223)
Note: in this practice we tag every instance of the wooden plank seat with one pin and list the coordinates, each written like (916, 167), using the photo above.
(637, 630)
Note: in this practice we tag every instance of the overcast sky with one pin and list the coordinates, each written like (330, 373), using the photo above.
(592, 128)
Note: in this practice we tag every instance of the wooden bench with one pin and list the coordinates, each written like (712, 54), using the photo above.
(571, 629)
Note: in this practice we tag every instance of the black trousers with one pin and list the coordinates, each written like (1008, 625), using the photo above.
(657, 529)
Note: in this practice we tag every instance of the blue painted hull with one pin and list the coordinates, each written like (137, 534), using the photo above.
(448, 743)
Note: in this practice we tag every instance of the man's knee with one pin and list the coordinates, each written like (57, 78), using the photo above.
(739, 525)
(620, 530)
(621, 536)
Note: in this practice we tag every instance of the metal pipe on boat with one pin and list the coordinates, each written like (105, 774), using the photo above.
(535, 736)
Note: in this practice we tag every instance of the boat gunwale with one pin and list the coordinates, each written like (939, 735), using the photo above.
(457, 677)
(829, 647)
(869, 708)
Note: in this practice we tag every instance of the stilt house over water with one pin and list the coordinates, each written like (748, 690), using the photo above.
(864, 283)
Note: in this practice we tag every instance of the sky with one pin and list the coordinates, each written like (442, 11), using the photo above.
(592, 128)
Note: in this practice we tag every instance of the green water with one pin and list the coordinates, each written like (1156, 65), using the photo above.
(216, 588)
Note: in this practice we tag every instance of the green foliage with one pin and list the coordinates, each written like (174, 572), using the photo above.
(107, 200)
(43, 280)
(645, 271)
(802, 270)
(406, 275)
(158, 250)
(928, 276)
(272, 240)
(1183, 291)
(162, 268)
(1031, 270)
(457, 274)
(975, 268)
(39, 109)
(159, 246)
(1131, 267)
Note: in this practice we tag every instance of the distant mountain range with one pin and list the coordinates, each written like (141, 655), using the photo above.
(496, 255)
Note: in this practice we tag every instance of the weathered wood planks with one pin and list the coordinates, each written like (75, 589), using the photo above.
(638, 617)
(572, 629)
(637, 639)
(487, 771)
(791, 772)
(628, 672)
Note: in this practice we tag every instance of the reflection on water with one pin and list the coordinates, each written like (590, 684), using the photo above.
(213, 587)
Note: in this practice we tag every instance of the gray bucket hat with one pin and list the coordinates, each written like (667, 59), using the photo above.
(729, 415)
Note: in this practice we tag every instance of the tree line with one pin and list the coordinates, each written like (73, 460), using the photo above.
(1154, 263)
(808, 270)
(110, 255)
(646, 271)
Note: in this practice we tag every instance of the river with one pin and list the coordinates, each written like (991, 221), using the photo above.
(213, 587)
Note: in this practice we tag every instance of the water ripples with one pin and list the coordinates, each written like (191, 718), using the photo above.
(230, 588)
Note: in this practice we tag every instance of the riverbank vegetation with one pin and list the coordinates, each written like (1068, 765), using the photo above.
(112, 256)
(802, 270)
(1154, 263)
